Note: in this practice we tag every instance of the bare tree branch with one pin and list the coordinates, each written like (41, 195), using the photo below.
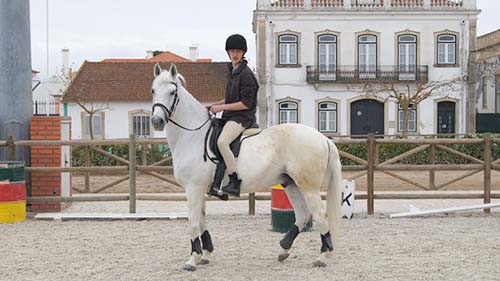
(409, 95)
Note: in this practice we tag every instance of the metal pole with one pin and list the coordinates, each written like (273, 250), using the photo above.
(16, 106)
(47, 27)
(132, 168)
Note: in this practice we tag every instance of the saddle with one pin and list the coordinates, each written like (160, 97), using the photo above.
(211, 141)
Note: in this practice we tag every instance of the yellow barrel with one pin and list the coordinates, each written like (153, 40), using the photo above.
(12, 192)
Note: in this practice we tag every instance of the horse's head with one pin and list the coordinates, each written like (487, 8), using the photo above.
(165, 95)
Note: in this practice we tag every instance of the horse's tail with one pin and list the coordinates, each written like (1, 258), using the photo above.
(334, 185)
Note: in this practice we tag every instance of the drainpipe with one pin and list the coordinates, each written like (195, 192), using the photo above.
(269, 75)
(464, 55)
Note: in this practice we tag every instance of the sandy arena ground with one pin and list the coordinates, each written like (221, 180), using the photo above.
(462, 246)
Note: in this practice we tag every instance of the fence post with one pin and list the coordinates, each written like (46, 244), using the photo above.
(251, 204)
(87, 174)
(132, 168)
(12, 148)
(487, 170)
(144, 158)
(370, 172)
(432, 174)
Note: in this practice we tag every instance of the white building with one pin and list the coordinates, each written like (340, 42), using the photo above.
(488, 86)
(48, 92)
(313, 55)
(121, 88)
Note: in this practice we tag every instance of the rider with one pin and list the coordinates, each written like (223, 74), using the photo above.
(239, 106)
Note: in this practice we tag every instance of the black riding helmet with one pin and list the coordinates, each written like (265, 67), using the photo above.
(237, 42)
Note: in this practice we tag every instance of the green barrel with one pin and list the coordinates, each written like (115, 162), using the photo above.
(12, 171)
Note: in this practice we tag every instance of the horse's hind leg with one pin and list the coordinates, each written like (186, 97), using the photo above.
(313, 199)
(302, 217)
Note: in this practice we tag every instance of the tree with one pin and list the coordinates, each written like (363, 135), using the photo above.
(409, 95)
(89, 106)
(92, 109)
(486, 68)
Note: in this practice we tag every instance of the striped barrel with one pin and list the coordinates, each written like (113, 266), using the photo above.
(12, 192)
(282, 214)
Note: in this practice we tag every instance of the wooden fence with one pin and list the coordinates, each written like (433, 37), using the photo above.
(366, 167)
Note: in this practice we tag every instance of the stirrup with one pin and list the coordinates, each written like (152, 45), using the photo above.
(218, 193)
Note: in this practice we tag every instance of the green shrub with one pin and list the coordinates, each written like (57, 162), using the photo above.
(154, 153)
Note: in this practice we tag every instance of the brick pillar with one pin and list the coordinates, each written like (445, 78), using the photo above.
(45, 184)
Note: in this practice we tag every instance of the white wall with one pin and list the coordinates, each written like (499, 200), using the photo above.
(116, 120)
(490, 105)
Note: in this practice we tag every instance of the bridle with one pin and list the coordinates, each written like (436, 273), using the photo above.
(169, 112)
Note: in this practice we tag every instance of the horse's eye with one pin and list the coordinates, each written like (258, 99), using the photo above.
(153, 91)
(172, 93)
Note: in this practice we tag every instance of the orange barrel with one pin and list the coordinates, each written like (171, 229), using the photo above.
(12, 192)
(282, 213)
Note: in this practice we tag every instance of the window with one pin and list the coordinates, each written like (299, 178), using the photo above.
(412, 118)
(407, 48)
(97, 125)
(288, 46)
(327, 121)
(288, 112)
(140, 125)
(327, 56)
(367, 56)
(484, 84)
(447, 49)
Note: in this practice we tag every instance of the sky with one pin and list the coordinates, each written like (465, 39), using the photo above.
(97, 29)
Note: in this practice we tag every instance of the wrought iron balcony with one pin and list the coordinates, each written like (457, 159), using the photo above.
(356, 74)
(367, 4)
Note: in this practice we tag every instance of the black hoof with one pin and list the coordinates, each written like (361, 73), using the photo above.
(282, 257)
(319, 264)
(188, 267)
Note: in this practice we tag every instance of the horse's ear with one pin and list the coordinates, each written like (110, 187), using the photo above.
(157, 70)
(173, 70)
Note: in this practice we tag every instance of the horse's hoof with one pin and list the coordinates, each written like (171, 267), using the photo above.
(204, 261)
(282, 257)
(188, 267)
(319, 264)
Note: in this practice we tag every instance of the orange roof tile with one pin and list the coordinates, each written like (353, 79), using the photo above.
(131, 81)
(168, 56)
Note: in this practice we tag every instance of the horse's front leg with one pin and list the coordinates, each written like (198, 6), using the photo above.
(206, 239)
(196, 202)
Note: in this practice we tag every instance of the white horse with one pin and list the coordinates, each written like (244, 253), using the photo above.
(296, 155)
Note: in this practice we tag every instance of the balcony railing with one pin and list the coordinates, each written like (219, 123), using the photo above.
(45, 108)
(368, 4)
(356, 74)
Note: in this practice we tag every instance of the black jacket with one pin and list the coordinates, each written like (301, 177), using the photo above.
(241, 86)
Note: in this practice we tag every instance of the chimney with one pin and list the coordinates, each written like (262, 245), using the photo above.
(65, 70)
(149, 54)
(193, 52)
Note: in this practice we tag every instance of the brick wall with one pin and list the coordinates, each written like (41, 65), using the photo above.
(45, 184)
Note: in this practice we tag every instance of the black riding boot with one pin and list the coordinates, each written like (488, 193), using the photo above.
(233, 187)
